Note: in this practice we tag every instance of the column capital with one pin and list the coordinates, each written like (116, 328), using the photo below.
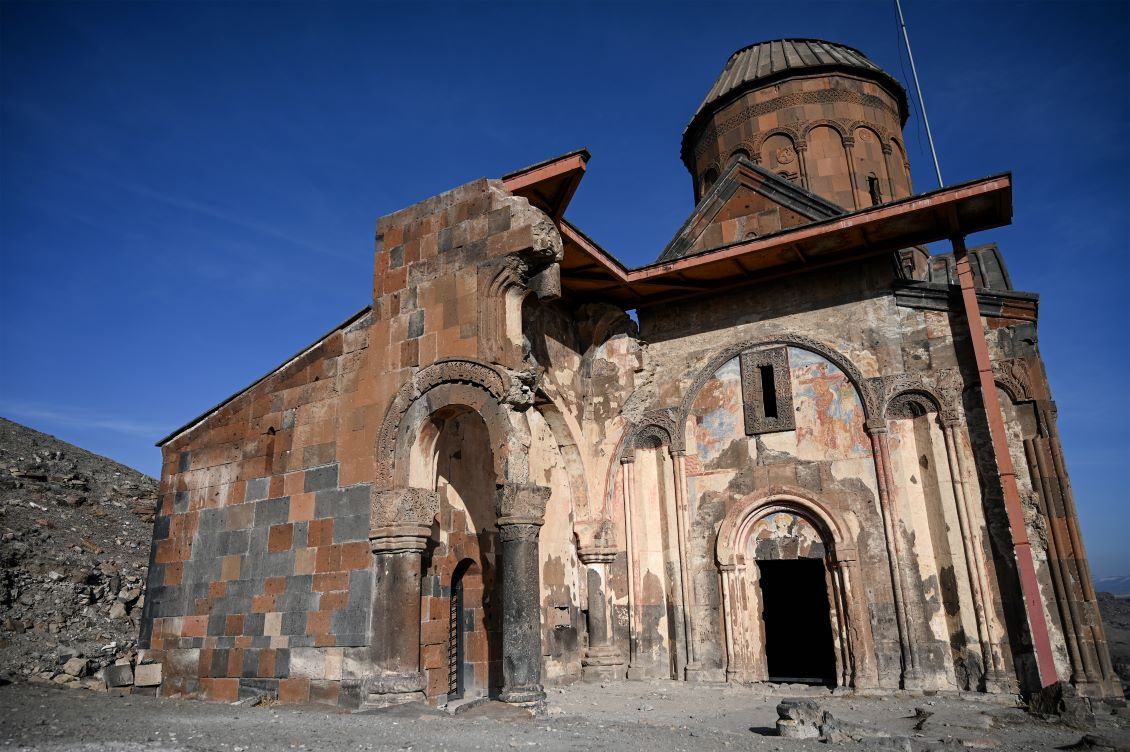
(875, 426)
(520, 504)
(400, 519)
(596, 554)
(402, 507)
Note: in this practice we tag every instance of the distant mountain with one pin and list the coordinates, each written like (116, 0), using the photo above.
(1113, 585)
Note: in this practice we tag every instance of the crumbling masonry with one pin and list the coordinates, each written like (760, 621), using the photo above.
(824, 455)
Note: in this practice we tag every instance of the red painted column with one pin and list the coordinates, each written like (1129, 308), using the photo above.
(1037, 621)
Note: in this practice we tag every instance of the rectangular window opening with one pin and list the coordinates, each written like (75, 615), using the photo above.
(768, 391)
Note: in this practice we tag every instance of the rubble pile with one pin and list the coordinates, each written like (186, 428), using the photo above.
(75, 530)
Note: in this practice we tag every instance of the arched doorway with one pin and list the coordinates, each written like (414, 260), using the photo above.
(793, 584)
(785, 591)
(461, 629)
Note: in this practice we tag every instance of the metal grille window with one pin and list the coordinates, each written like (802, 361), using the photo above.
(766, 392)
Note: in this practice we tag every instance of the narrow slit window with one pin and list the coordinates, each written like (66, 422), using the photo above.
(768, 391)
(873, 189)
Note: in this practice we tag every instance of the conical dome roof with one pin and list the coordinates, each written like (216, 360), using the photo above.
(764, 63)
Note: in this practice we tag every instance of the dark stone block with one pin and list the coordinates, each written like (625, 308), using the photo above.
(360, 588)
(183, 461)
(350, 529)
(288, 419)
(180, 502)
(445, 240)
(352, 640)
(294, 622)
(232, 542)
(272, 511)
(219, 663)
(320, 478)
(256, 686)
(250, 664)
(498, 221)
(329, 503)
(396, 257)
(253, 624)
(300, 535)
(282, 663)
(279, 564)
(260, 641)
(216, 623)
(303, 641)
(357, 499)
(416, 324)
(257, 489)
(351, 620)
(160, 527)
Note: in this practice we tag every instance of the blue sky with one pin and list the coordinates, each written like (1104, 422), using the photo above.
(188, 190)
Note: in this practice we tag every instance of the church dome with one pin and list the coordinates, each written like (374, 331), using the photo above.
(789, 87)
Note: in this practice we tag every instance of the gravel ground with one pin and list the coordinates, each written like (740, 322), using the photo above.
(662, 717)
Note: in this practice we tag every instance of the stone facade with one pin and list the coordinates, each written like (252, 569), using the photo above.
(492, 477)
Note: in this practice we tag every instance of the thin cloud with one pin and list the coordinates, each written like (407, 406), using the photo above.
(74, 417)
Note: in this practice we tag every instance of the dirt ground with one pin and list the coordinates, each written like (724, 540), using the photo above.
(659, 717)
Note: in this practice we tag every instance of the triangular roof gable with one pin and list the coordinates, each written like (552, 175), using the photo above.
(747, 202)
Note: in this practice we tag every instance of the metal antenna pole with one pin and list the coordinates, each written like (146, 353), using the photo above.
(918, 88)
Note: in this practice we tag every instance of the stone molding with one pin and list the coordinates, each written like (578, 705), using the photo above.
(458, 371)
(1014, 377)
(937, 391)
(520, 504)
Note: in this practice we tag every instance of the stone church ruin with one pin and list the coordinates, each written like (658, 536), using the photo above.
(823, 455)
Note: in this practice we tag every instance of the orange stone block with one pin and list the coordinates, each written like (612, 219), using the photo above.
(331, 581)
(331, 601)
(301, 506)
(356, 555)
(229, 570)
(233, 625)
(267, 662)
(195, 626)
(220, 690)
(280, 538)
(318, 622)
(174, 573)
(274, 585)
(294, 691)
(329, 559)
(262, 604)
(320, 533)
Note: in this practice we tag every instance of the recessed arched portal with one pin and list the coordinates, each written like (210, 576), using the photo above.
(461, 634)
(786, 570)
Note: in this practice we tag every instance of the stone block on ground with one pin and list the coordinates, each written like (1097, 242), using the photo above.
(75, 667)
(147, 675)
(118, 676)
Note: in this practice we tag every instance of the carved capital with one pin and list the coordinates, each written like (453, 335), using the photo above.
(520, 504)
(402, 508)
(596, 554)
(518, 531)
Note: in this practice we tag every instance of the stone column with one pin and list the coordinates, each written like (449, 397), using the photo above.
(974, 566)
(400, 526)
(521, 512)
(602, 661)
(911, 674)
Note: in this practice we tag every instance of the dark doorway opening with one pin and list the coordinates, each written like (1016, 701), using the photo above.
(798, 628)
(456, 636)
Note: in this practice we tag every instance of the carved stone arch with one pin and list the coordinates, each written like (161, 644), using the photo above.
(836, 125)
(566, 433)
(867, 396)
(748, 147)
(759, 140)
(504, 290)
(880, 132)
(489, 381)
(1015, 378)
(742, 516)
